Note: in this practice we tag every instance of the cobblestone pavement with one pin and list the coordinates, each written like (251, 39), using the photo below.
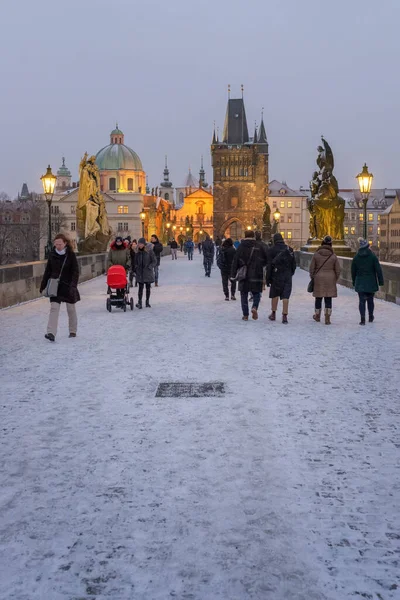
(285, 487)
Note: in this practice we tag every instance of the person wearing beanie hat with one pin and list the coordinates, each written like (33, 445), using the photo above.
(145, 262)
(367, 276)
(325, 272)
(119, 254)
(280, 270)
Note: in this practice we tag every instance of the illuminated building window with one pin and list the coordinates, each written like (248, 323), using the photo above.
(379, 230)
(130, 184)
(346, 231)
(289, 235)
(352, 230)
(361, 215)
(123, 210)
(370, 216)
(282, 204)
(289, 204)
(370, 229)
(290, 217)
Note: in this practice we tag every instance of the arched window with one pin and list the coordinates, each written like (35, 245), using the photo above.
(166, 196)
(130, 184)
(112, 184)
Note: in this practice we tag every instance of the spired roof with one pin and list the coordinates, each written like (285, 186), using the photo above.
(117, 156)
(191, 181)
(63, 171)
(235, 127)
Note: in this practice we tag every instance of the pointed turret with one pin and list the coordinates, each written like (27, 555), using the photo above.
(25, 195)
(214, 139)
(147, 185)
(262, 136)
(255, 137)
(166, 183)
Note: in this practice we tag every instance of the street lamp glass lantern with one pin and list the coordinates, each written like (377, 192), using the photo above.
(168, 225)
(49, 183)
(143, 215)
(248, 227)
(277, 215)
(365, 181)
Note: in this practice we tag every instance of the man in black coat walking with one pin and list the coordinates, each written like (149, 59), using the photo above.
(208, 256)
(224, 262)
(280, 270)
(254, 256)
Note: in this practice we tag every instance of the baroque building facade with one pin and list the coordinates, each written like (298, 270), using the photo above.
(240, 174)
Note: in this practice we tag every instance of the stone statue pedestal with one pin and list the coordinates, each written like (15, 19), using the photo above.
(340, 247)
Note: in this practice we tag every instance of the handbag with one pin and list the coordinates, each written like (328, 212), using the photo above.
(310, 287)
(241, 273)
(51, 289)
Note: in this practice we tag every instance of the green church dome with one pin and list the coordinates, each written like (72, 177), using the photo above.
(118, 156)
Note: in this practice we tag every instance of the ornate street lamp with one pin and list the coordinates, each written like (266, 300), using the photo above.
(277, 216)
(49, 183)
(365, 183)
(143, 217)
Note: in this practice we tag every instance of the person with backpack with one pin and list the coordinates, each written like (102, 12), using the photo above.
(189, 247)
(251, 258)
(367, 276)
(224, 263)
(157, 249)
(325, 272)
(208, 256)
(280, 270)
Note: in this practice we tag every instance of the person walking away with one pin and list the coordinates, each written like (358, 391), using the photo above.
(132, 251)
(218, 244)
(367, 276)
(189, 245)
(174, 249)
(181, 244)
(325, 271)
(259, 241)
(280, 270)
(145, 261)
(224, 262)
(62, 264)
(199, 247)
(208, 256)
(254, 257)
(157, 249)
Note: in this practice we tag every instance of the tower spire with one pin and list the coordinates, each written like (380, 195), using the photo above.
(255, 133)
(214, 139)
(262, 135)
(166, 182)
(202, 175)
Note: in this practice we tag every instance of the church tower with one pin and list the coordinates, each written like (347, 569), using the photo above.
(166, 187)
(64, 178)
(240, 168)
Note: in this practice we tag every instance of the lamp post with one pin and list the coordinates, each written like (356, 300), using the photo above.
(143, 217)
(49, 183)
(365, 182)
(277, 216)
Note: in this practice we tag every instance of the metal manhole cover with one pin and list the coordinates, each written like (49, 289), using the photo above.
(190, 390)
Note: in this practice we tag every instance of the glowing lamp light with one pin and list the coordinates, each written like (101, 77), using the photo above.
(248, 227)
(277, 215)
(143, 215)
(174, 227)
(181, 228)
(49, 183)
(365, 180)
(187, 229)
(168, 225)
(201, 231)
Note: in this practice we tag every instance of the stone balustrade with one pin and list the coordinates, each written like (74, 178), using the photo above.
(391, 274)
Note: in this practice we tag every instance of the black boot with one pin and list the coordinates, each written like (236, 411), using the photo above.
(50, 337)
(362, 322)
(371, 319)
(148, 299)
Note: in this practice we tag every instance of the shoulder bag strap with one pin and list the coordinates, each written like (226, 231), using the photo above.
(325, 261)
(59, 277)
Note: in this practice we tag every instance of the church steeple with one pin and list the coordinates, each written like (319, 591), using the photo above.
(116, 136)
(166, 182)
(255, 134)
(235, 128)
(202, 175)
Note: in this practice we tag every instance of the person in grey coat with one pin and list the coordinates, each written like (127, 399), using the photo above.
(145, 261)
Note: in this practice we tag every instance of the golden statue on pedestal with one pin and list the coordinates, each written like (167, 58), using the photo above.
(326, 207)
(94, 230)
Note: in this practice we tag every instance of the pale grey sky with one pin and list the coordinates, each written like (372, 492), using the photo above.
(70, 69)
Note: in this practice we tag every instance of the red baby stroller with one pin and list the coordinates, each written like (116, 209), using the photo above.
(118, 289)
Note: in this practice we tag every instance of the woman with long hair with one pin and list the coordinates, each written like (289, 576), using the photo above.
(63, 265)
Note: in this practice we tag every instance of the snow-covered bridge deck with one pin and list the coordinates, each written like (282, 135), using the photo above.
(285, 488)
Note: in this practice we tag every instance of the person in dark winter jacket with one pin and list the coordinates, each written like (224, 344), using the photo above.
(224, 262)
(325, 271)
(62, 264)
(208, 256)
(119, 254)
(157, 249)
(145, 261)
(259, 240)
(280, 270)
(252, 255)
(199, 245)
(218, 244)
(189, 247)
(174, 249)
(132, 252)
(367, 276)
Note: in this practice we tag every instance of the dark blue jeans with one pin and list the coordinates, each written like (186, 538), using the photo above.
(207, 262)
(244, 297)
(190, 254)
(366, 297)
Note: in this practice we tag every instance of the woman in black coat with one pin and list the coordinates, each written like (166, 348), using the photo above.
(62, 264)
(145, 261)
(224, 262)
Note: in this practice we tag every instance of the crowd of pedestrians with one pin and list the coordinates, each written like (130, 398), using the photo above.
(252, 266)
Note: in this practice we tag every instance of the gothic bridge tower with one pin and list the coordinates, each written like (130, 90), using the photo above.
(240, 168)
